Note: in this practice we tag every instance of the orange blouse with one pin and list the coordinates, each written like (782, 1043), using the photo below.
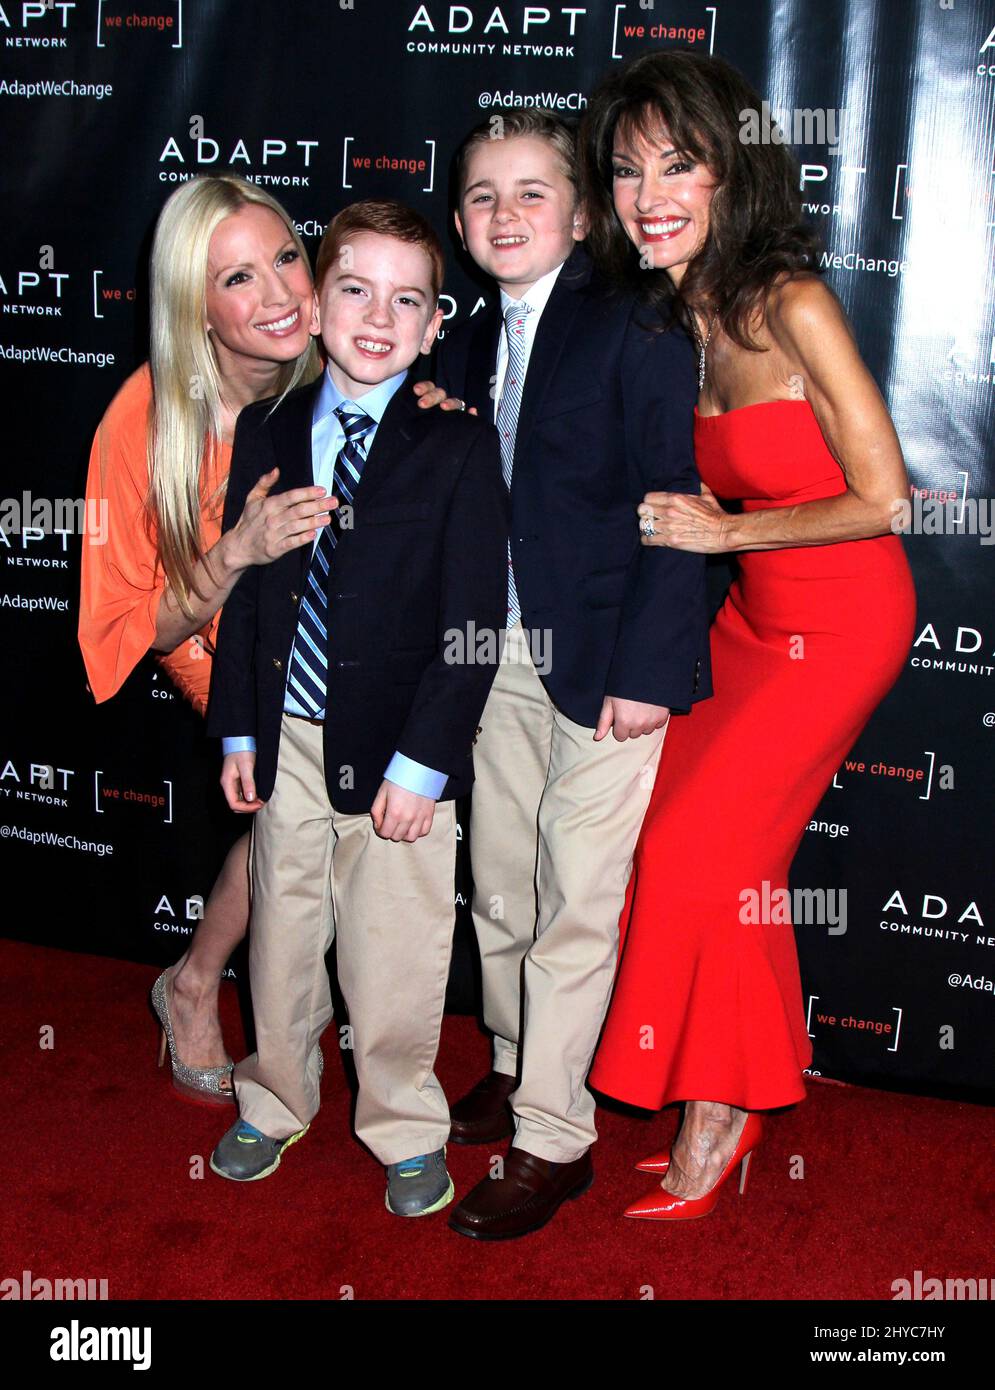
(121, 581)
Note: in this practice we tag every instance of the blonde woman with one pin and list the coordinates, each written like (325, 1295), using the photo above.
(232, 314)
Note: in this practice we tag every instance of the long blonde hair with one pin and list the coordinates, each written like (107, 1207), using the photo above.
(184, 435)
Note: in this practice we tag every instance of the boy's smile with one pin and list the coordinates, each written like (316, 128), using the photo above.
(518, 216)
(377, 311)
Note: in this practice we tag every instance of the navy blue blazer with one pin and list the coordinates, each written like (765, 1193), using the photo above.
(425, 558)
(607, 415)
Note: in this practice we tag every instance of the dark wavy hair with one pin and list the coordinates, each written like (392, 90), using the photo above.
(755, 229)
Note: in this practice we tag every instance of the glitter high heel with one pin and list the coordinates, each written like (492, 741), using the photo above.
(195, 1083)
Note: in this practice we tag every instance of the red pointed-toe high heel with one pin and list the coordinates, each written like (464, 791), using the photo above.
(661, 1205)
(655, 1163)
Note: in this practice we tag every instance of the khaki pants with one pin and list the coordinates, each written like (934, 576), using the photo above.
(317, 874)
(553, 825)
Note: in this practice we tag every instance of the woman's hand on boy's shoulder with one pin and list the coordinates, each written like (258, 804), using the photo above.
(430, 395)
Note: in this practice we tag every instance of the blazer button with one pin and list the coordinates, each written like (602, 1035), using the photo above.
(278, 663)
(293, 596)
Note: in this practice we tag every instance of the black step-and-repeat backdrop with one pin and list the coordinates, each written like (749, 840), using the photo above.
(113, 825)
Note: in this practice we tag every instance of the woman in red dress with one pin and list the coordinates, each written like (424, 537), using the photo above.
(813, 633)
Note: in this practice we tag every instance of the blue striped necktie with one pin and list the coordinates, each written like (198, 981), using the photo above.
(309, 664)
(506, 419)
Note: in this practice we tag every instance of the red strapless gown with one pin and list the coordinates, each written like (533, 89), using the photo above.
(739, 780)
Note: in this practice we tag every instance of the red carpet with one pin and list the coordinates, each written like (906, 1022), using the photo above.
(99, 1152)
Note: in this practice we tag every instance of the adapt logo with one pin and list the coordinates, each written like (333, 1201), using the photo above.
(967, 641)
(534, 31)
(43, 23)
(986, 68)
(492, 19)
(34, 291)
(203, 151)
(934, 908)
(39, 782)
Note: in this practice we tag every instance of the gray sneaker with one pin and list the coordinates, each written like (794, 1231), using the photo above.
(419, 1185)
(245, 1154)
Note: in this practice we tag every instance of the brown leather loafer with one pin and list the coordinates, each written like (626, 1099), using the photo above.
(528, 1195)
(484, 1116)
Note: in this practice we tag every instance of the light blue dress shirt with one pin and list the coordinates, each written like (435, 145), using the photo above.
(327, 438)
